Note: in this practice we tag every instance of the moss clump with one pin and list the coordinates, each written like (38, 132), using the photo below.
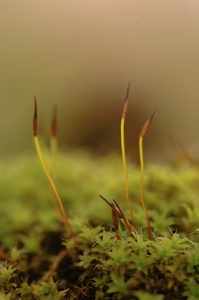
(39, 260)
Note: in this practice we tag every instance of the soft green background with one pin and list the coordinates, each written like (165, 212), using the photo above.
(81, 55)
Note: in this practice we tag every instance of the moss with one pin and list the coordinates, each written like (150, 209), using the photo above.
(39, 260)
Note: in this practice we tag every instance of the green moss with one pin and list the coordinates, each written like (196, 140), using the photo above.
(95, 265)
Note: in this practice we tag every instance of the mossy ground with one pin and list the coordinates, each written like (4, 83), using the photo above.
(39, 260)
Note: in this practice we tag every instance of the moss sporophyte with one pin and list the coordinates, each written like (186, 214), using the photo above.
(147, 251)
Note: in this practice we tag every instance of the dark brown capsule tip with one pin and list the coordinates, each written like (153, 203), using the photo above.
(125, 107)
(147, 124)
(109, 203)
(127, 91)
(35, 118)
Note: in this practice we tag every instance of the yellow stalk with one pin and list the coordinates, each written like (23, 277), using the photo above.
(36, 140)
(142, 134)
(53, 139)
(124, 154)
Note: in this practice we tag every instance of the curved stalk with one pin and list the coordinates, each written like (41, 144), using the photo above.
(39, 152)
(125, 107)
(141, 137)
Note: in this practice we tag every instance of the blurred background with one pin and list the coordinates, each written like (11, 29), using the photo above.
(81, 54)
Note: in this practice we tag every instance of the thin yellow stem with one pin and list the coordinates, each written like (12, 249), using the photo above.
(142, 134)
(141, 185)
(36, 140)
(124, 155)
(53, 140)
